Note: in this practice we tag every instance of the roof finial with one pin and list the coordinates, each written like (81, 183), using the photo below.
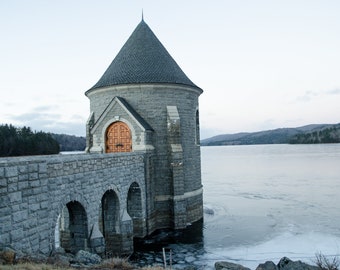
(142, 15)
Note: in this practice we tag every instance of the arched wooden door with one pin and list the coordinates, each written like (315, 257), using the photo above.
(118, 138)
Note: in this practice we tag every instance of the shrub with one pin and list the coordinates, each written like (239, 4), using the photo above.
(116, 263)
(325, 263)
(7, 256)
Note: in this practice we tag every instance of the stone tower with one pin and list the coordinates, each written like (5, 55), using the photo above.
(144, 102)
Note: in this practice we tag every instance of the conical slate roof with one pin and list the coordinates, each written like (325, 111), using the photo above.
(143, 59)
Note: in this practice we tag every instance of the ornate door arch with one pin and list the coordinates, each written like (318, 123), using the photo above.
(118, 138)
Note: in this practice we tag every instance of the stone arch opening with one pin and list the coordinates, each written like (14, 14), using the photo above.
(118, 138)
(134, 209)
(72, 227)
(110, 221)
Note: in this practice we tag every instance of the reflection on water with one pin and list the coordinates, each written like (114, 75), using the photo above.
(263, 202)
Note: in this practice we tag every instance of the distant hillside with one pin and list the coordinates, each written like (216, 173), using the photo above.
(70, 142)
(279, 136)
(329, 134)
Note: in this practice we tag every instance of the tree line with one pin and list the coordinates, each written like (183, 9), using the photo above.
(70, 142)
(327, 135)
(22, 141)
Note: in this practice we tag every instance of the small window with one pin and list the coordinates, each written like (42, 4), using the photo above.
(197, 128)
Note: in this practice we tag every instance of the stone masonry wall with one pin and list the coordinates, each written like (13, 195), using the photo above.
(34, 190)
(151, 101)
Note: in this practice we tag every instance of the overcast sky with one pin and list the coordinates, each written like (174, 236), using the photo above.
(262, 64)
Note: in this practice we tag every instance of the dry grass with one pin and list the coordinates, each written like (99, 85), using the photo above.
(33, 266)
(9, 262)
(153, 268)
(123, 264)
(114, 263)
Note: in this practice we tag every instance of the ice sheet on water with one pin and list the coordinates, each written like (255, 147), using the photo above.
(302, 246)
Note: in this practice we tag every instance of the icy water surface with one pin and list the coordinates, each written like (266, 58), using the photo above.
(262, 202)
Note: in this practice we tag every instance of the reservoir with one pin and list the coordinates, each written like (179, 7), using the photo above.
(270, 201)
(264, 202)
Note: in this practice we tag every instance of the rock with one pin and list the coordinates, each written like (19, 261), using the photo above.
(287, 264)
(190, 259)
(59, 250)
(85, 257)
(159, 259)
(283, 262)
(190, 267)
(208, 211)
(60, 258)
(229, 266)
(269, 265)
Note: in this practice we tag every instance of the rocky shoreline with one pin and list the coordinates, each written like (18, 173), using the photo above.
(84, 259)
(284, 264)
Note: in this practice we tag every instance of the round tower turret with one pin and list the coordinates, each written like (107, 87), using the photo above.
(145, 102)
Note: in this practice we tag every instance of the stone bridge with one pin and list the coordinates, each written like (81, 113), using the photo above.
(145, 106)
(95, 202)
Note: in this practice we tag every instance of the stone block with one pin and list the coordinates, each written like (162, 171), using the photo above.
(15, 197)
(12, 187)
(23, 206)
(36, 190)
(17, 235)
(44, 189)
(44, 205)
(23, 169)
(27, 192)
(32, 168)
(23, 182)
(34, 241)
(34, 183)
(42, 168)
(52, 186)
(3, 182)
(44, 246)
(14, 207)
(5, 238)
(33, 223)
(43, 181)
(11, 172)
(3, 192)
(2, 173)
(4, 209)
(33, 176)
(5, 223)
(34, 207)
(20, 216)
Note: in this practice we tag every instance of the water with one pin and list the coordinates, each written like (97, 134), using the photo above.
(271, 201)
(264, 202)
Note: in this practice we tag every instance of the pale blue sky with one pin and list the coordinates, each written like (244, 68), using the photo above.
(262, 64)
